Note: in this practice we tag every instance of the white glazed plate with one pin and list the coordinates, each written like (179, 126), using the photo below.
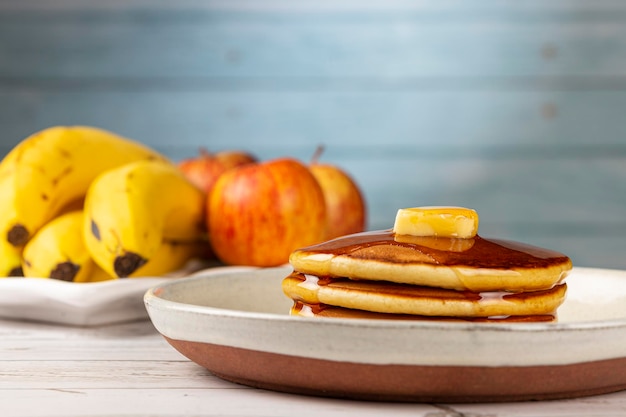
(81, 304)
(77, 304)
(236, 324)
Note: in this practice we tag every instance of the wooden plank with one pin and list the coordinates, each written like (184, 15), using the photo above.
(470, 159)
(57, 350)
(566, 193)
(461, 7)
(79, 374)
(193, 402)
(437, 125)
(132, 341)
(586, 251)
(575, 206)
(12, 331)
(440, 44)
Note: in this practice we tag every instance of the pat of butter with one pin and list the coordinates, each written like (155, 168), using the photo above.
(456, 222)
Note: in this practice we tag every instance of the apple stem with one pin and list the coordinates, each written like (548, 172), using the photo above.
(318, 152)
(204, 152)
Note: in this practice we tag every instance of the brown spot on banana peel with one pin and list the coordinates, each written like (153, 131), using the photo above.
(126, 264)
(16, 272)
(66, 172)
(18, 235)
(64, 152)
(95, 230)
(65, 271)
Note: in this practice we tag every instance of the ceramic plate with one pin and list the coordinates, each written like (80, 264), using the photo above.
(81, 304)
(236, 324)
(84, 304)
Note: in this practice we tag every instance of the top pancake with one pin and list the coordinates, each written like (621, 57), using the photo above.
(474, 264)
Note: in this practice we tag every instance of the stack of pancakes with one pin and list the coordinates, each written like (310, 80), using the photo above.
(385, 275)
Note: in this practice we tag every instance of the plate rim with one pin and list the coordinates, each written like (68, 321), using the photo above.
(580, 335)
(150, 297)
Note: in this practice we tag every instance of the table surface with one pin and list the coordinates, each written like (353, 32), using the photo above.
(128, 369)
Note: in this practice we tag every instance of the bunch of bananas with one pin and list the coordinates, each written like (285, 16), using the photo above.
(81, 204)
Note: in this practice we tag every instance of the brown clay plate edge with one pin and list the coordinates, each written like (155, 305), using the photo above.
(405, 383)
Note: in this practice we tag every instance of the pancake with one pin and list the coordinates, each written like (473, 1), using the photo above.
(394, 298)
(476, 264)
(327, 311)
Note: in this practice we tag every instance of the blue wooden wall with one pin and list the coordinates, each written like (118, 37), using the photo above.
(517, 109)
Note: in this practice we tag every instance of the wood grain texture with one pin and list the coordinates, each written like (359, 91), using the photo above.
(68, 371)
(513, 109)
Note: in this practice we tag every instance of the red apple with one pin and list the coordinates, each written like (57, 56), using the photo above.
(346, 209)
(259, 213)
(234, 159)
(205, 168)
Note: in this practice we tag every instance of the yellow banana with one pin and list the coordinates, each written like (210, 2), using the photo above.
(10, 256)
(58, 251)
(10, 260)
(131, 210)
(54, 167)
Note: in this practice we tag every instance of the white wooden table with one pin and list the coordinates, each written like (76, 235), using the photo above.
(129, 370)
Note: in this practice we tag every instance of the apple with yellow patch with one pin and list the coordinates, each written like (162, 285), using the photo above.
(345, 203)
